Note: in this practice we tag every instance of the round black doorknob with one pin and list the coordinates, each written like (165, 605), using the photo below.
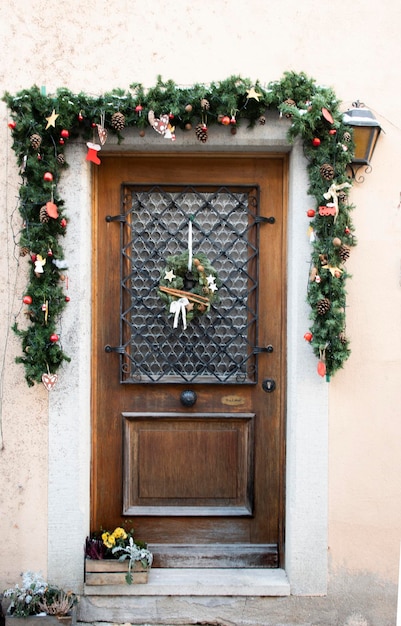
(188, 397)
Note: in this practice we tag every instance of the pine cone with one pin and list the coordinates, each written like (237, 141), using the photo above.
(118, 121)
(205, 104)
(36, 141)
(291, 103)
(60, 159)
(201, 132)
(344, 252)
(347, 137)
(262, 120)
(342, 196)
(24, 251)
(327, 171)
(323, 306)
(43, 215)
(342, 337)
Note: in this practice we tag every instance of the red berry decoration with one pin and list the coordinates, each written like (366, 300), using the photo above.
(61, 141)
(80, 117)
(27, 300)
(12, 124)
(138, 108)
(332, 131)
(54, 338)
(308, 336)
(316, 142)
(39, 157)
(311, 213)
(63, 223)
(233, 120)
(65, 133)
(226, 120)
(48, 177)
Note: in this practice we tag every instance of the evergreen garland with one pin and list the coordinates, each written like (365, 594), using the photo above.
(39, 144)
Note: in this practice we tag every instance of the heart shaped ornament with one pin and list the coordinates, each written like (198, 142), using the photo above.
(49, 381)
(102, 132)
(51, 210)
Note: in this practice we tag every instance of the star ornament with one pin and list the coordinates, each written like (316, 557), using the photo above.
(334, 271)
(51, 120)
(169, 276)
(252, 93)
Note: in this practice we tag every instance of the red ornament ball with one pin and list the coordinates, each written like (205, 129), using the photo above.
(61, 141)
(80, 117)
(233, 120)
(27, 300)
(54, 338)
(138, 108)
(12, 124)
(308, 336)
(311, 213)
(316, 142)
(48, 177)
(63, 223)
(67, 298)
(332, 131)
(39, 157)
(225, 120)
(65, 133)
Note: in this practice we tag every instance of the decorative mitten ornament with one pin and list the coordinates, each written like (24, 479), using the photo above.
(93, 149)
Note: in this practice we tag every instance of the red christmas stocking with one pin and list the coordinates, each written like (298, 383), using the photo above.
(93, 149)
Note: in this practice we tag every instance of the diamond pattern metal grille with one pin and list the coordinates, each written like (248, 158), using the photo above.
(216, 347)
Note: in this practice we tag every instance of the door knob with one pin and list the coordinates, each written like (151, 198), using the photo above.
(188, 397)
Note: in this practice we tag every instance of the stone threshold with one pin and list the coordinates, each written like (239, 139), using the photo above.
(201, 582)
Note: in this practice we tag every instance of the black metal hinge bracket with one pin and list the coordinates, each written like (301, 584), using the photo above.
(259, 219)
(118, 349)
(259, 350)
(116, 218)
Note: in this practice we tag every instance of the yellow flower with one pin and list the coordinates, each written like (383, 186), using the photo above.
(119, 533)
(108, 540)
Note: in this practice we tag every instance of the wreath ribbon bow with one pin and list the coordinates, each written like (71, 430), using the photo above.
(178, 307)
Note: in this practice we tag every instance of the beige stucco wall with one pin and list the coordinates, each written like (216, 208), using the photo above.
(354, 47)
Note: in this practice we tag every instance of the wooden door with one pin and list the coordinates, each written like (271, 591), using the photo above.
(188, 425)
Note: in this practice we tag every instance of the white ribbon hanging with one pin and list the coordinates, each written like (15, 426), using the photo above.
(332, 193)
(177, 307)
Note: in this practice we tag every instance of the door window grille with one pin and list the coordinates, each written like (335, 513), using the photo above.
(217, 347)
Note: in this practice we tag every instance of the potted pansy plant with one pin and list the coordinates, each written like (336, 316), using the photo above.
(112, 557)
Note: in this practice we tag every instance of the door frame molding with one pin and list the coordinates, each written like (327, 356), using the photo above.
(307, 394)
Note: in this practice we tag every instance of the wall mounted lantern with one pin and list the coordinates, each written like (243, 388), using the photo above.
(366, 131)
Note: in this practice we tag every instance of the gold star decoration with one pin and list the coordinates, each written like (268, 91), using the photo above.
(51, 120)
(169, 276)
(252, 93)
(334, 271)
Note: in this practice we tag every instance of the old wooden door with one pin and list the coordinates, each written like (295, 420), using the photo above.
(188, 425)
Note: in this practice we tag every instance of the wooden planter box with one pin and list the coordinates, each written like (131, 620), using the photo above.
(110, 572)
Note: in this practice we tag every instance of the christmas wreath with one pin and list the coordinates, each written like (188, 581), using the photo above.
(188, 287)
